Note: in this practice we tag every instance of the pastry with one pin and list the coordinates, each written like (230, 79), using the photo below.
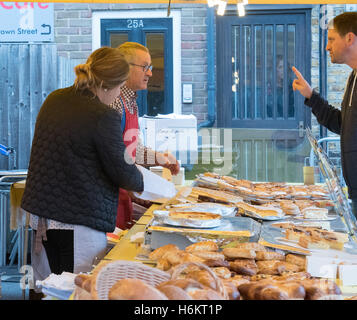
(244, 266)
(203, 245)
(296, 259)
(159, 252)
(275, 267)
(269, 255)
(209, 255)
(234, 253)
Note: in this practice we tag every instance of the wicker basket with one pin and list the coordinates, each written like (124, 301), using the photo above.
(122, 269)
(219, 284)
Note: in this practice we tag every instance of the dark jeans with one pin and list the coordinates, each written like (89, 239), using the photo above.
(354, 207)
(60, 250)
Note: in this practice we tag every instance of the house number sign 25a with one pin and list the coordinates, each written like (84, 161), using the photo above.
(134, 23)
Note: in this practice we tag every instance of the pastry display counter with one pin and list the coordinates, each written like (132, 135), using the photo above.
(241, 263)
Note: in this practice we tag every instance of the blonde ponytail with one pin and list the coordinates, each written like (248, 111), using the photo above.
(105, 68)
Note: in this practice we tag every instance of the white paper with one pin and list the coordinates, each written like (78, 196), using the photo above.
(348, 274)
(322, 267)
(64, 281)
(155, 187)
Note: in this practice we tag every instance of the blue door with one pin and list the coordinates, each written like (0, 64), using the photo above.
(254, 76)
(156, 34)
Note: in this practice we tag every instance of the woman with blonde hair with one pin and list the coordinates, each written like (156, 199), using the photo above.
(77, 166)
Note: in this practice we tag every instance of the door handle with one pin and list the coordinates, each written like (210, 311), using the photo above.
(301, 129)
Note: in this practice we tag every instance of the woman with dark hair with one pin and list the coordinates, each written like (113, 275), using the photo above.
(77, 166)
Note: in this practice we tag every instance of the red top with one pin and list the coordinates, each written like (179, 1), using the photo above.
(130, 136)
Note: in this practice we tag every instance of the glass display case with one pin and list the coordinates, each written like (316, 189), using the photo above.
(333, 183)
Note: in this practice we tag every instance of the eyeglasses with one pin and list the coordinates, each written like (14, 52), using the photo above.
(145, 68)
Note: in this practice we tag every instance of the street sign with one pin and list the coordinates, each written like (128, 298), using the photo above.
(26, 22)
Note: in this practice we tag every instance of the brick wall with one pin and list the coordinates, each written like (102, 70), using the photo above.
(73, 35)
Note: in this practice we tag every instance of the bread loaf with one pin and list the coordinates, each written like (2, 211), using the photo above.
(195, 289)
(272, 290)
(174, 292)
(134, 289)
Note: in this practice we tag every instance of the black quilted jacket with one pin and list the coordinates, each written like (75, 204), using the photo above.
(77, 162)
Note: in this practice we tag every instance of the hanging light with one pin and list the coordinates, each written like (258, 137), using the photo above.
(212, 3)
(221, 7)
(241, 10)
(223, 3)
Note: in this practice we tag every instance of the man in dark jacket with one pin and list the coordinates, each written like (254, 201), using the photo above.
(342, 46)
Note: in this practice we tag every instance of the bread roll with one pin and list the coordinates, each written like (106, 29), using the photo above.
(83, 281)
(134, 289)
(159, 252)
(235, 253)
(174, 292)
(269, 255)
(202, 246)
